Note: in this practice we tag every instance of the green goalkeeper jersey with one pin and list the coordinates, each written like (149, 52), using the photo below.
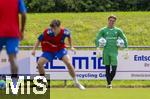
(111, 35)
(110, 51)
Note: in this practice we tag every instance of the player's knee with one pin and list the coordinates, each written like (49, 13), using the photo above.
(113, 72)
(114, 68)
(12, 60)
(40, 61)
(39, 64)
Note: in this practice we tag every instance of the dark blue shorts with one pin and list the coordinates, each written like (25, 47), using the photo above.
(11, 44)
(50, 56)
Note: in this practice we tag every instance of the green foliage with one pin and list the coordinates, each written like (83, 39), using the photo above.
(86, 5)
(39, 5)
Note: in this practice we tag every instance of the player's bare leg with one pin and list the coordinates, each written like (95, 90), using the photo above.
(13, 63)
(113, 72)
(40, 66)
(66, 60)
(14, 68)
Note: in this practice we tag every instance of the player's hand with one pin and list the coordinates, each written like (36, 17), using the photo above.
(33, 52)
(98, 53)
(73, 50)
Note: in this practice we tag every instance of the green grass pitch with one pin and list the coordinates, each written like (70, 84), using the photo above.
(84, 26)
(100, 93)
(89, 93)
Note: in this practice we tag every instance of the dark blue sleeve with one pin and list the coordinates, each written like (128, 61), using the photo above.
(67, 33)
(22, 7)
(41, 37)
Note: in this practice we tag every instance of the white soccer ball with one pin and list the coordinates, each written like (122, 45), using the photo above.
(2, 84)
(102, 42)
(120, 42)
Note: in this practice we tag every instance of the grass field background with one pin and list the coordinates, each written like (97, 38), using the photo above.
(102, 84)
(89, 93)
(84, 26)
(99, 93)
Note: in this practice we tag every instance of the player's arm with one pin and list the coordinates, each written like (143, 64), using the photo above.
(122, 35)
(23, 22)
(125, 51)
(98, 36)
(37, 43)
(70, 41)
(22, 10)
(68, 35)
(71, 45)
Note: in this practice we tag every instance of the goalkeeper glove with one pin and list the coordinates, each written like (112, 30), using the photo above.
(125, 54)
(98, 53)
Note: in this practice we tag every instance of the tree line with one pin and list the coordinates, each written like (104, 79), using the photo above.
(86, 5)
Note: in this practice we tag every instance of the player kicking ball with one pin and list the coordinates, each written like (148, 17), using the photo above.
(53, 46)
(111, 38)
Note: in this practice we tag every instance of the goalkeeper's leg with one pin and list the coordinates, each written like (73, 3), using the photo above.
(108, 76)
(113, 72)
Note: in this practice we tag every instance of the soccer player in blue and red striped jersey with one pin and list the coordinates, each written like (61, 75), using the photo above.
(53, 46)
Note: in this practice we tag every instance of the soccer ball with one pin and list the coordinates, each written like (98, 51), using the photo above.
(2, 84)
(120, 42)
(102, 42)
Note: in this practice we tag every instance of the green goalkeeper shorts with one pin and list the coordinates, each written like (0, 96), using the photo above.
(110, 58)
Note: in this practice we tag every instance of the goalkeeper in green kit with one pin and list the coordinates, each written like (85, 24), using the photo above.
(111, 38)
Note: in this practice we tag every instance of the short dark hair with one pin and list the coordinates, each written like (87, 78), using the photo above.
(112, 16)
(55, 23)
